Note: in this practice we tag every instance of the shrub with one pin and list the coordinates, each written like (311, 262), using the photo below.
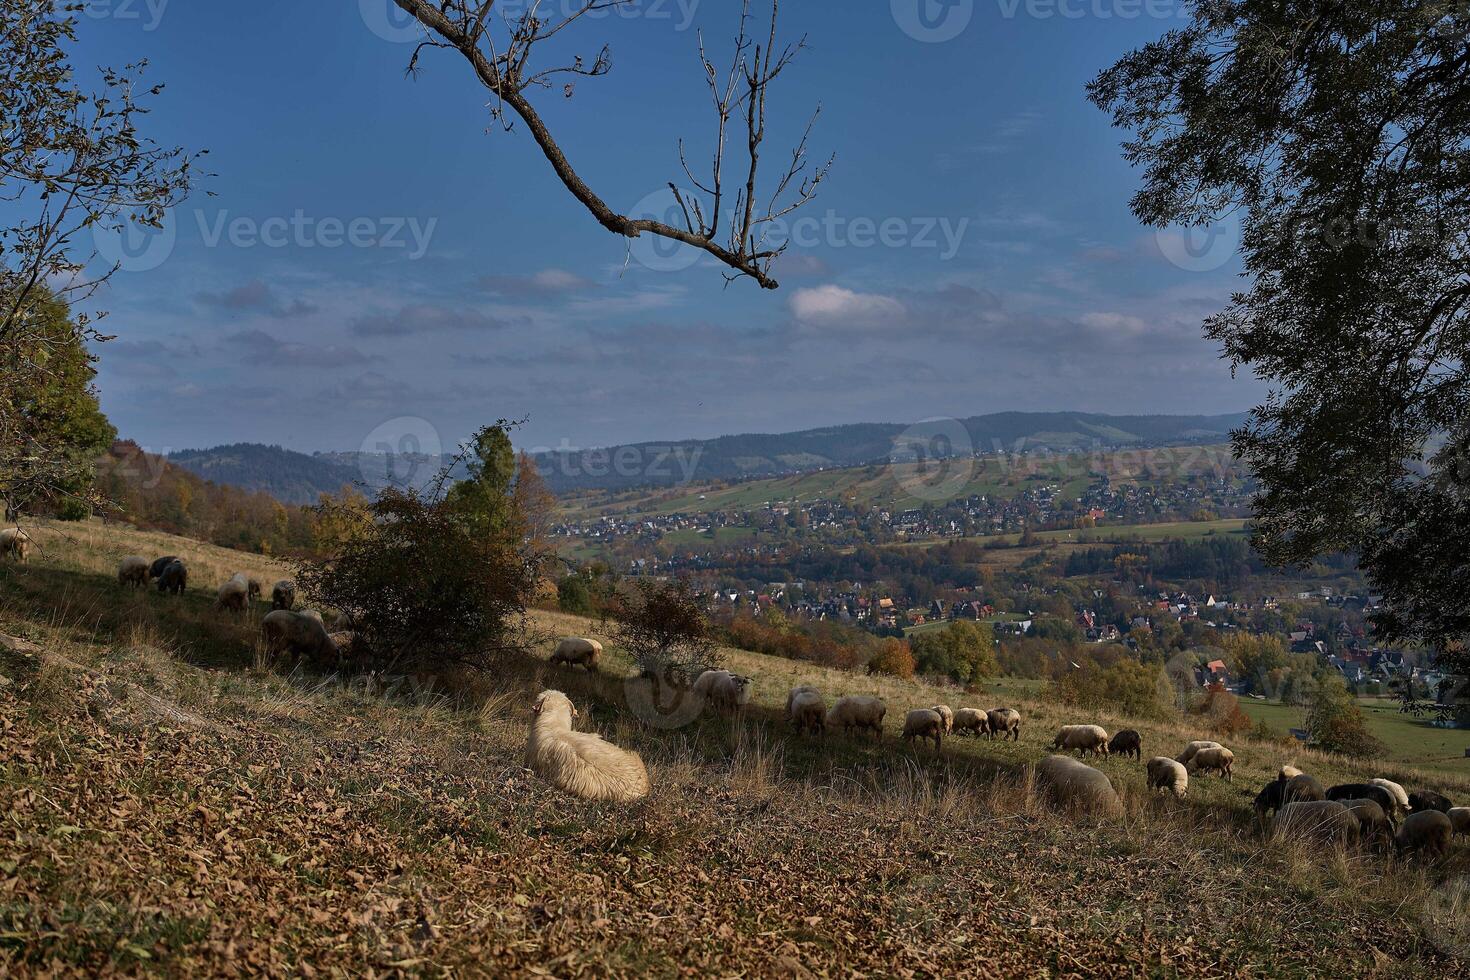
(1335, 722)
(1126, 685)
(665, 632)
(573, 596)
(894, 659)
(1222, 713)
(963, 652)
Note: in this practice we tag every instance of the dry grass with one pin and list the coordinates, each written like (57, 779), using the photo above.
(174, 809)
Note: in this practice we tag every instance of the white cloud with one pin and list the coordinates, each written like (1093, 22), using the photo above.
(1115, 323)
(836, 305)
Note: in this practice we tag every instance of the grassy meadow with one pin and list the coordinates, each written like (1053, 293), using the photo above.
(178, 803)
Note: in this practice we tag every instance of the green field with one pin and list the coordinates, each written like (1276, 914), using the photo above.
(1409, 739)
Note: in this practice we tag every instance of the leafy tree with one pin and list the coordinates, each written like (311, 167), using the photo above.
(894, 659)
(70, 160)
(1340, 134)
(483, 500)
(1335, 722)
(664, 630)
(1125, 685)
(962, 651)
(573, 596)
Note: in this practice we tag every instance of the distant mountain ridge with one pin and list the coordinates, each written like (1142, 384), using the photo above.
(298, 478)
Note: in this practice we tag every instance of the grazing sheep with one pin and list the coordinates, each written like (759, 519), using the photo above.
(234, 594)
(1374, 826)
(860, 711)
(580, 763)
(252, 588)
(806, 709)
(15, 543)
(971, 720)
(577, 651)
(1279, 792)
(725, 690)
(174, 578)
(299, 633)
(1214, 760)
(132, 571)
(923, 723)
(1460, 819)
(283, 594)
(1426, 800)
(1320, 820)
(1092, 739)
(1425, 831)
(1127, 743)
(1363, 791)
(312, 613)
(1076, 784)
(1400, 798)
(1166, 774)
(1193, 747)
(1005, 722)
(1288, 772)
(948, 716)
(155, 570)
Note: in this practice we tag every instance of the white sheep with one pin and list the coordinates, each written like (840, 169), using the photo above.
(1005, 722)
(577, 651)
(806, 710)
(725, 690)
(234, 594)
(283, 594)
(15, 543)
(1213, 760)
(861, 711)
(1092, 739)
(971, 720)
(1288, 772)
(1399, 794)
(132, 571)
(580, 763)
(1193, 747)
(1165, 773)
(923, 723)
(1076, 784)
(946, 715)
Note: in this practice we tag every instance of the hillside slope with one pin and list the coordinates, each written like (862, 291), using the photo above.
(290, 477)
(177, 804)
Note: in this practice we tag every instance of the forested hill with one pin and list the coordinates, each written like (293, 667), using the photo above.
(290, 477)
(758, 455)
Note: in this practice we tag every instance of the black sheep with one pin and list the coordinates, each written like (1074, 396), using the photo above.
(1128, 743)
(1427, 800)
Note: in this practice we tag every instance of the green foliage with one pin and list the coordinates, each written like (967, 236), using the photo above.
(573, 596)
(1125, 685)
(1335, 722)
(1339, 134)
(963, 652)
(483, 500)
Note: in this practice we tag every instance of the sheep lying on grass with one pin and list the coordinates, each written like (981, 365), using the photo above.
(132, 571)
(806, 710)
(1127, 743)
(234, 594)
(1167, 774)
(947, 715)
(922, 723)
(971, 720)
(1005, 722)
(1193, 747)
(1213, 760)
(725, 690)
(860, 711)
(283, 594)
(15, 543)
(577, 651)
(1425, 832)
(1091, 739)
(580, 763)
(1075, 784)
(1324, 821)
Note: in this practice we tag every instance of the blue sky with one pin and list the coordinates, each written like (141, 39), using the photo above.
(376, 252)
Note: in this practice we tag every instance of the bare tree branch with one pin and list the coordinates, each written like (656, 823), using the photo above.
(506, 71)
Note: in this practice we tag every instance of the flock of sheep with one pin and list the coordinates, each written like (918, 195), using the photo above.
(1379, 813)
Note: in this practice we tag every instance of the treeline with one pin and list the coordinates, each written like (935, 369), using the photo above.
(1226, 561)
(150, 492)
